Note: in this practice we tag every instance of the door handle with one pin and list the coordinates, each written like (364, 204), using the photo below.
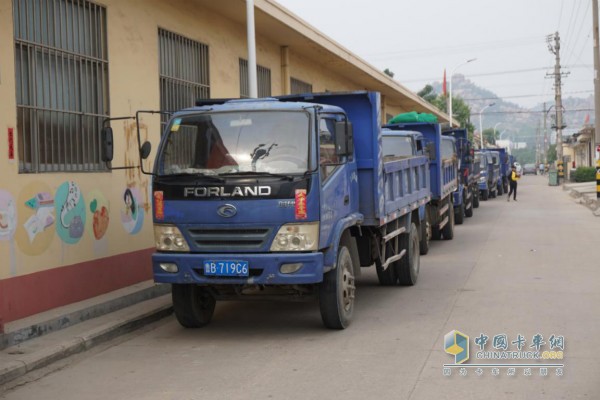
(346, 200)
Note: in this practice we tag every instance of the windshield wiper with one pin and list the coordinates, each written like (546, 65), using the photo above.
(258, 173)
(210, 178)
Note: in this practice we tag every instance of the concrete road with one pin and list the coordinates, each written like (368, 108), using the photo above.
(514, 268)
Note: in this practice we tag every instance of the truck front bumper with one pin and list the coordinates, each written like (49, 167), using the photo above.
(264, 269)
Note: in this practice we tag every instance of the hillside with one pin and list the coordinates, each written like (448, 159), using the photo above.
(516, 120)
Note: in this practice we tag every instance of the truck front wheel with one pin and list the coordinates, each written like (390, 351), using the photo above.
(336, 292)
(484, 195)
(408, 266)
(193, 305)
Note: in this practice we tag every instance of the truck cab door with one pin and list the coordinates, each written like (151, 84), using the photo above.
(336, 179)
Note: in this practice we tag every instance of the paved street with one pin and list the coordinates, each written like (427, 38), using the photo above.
(514, 268)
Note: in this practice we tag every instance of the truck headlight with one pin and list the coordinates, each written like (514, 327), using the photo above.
(169, 238)
(297, 237)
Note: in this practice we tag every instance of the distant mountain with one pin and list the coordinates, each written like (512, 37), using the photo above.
(516, 120)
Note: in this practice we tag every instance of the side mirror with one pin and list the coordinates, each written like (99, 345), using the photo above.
(341, 145)
(350, 138)
(145, 150)
(106, 140)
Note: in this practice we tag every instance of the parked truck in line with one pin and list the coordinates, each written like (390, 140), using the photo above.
(443, 175)
(490, 173)
(282, 199)
(466, 197)
(504, 164)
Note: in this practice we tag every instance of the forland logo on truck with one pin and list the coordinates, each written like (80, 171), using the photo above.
(221, 191)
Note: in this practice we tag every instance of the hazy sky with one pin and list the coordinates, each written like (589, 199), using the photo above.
(417, 39)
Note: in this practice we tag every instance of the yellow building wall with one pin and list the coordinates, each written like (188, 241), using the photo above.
(132, 31)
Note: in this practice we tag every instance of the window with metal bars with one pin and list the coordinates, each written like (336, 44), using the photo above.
(184, 72)
(263, 80)
(61, 68)
(298, 86)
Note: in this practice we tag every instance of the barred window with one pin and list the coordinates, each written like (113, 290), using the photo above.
(263, 80)
(61, 68)
(298, 86)
(184, 72)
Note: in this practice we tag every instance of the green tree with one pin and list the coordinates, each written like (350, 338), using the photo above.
(460, 110)
(489, 135)
(388, 72)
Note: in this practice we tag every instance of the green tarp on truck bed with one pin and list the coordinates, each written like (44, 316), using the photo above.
(413, 116)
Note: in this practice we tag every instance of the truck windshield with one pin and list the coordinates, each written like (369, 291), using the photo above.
(397, 147)
(229, 142)
(479, 159)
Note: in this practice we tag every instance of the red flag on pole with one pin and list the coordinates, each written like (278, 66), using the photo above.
(587, 119)
(444, 84)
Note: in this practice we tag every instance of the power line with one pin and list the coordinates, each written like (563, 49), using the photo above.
(506, 72)
(529, 111)
(481, 46)
(523, 95)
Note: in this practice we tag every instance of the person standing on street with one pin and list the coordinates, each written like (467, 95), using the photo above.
(513, 177)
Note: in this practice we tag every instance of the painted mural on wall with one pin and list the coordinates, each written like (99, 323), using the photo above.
(132, 211)
(70, 212)
(8, 216)
(98, 213)
(35, 206)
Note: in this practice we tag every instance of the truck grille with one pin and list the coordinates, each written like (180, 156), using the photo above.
(229, 240)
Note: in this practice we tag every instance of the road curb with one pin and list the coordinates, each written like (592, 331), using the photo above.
(17, 368)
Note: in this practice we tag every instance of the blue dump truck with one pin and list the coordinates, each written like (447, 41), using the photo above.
(503, 163)
(466, 197)
(283, 199)
(443, 176)
(489, 173)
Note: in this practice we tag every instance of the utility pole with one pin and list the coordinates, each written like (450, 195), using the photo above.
(538, 146)
(545, 136)
(555, 49)
(596, 95)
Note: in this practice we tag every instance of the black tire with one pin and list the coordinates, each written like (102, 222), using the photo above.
(448, 230)
(476, 199)
(484, 195)
(469, 209)
(436, 233)
(500, 190)
(408, 266)
(193, 305)
(459, 214)
(336, 292)
(388, 276)
(493, 193)
(424, 240)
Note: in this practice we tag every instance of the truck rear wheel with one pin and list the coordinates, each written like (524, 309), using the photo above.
(500, 190)
(336, 292)
(469, 209)
(408, 266)
(484, 195)
(459, 216)
(448, 230)
(388, 276)
(425, 227)
(193, 305)
(476, 198)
